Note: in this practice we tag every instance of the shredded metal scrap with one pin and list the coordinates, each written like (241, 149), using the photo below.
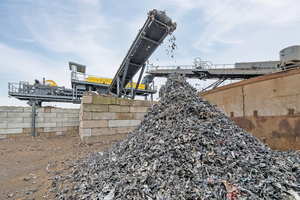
(186, 149)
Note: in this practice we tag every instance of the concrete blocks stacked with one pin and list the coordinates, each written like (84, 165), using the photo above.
(16, 121)
(108, 119)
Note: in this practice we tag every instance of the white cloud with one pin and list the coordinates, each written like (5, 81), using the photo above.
(18, 65)
(229, 21)
(25, 39)
(75, 28)
(26, 66)
(93, 2)
(20, 62)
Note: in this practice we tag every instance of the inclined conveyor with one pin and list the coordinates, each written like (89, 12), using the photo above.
(157, 26)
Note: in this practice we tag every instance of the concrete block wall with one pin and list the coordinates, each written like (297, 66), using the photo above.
(16, 121)
(108, 119)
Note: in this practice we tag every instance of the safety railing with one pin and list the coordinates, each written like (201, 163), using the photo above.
(21, 87)
(151, 67)
(12, 88)
(84, 77)
(208, 65)
(198, 64)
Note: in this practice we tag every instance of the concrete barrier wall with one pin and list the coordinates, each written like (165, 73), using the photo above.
(16, 121)
(108, 119)
(266, 106)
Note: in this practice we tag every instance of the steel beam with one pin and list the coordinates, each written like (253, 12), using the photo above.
(118, 86)
(33, 103)
(124, 77)
(150, 40)
(131, 88)
(33, 120)
(139, 80)
(151, 95)
(133, 64)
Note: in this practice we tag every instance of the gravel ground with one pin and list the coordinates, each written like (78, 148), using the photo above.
(28, 158)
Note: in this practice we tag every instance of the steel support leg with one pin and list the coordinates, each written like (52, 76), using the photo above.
(118, 86)
(152, 89)
(76, 92)
(32, 103)
(33, 120)
(73, 92)
(131, 88)
(124, 77)
(139, 80)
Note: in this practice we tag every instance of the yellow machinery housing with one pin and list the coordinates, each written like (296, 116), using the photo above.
(108, 81)
(50, 83)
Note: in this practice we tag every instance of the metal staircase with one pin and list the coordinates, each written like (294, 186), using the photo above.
(214, 85)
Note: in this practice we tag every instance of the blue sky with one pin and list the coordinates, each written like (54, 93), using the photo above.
(39, 38)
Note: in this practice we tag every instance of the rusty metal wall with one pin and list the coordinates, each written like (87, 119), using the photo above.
(266, 106)
(230, 101)
(279, 132)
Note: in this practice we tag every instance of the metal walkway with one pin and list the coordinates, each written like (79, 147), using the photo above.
(207, 70)
(157, 26)
(41, 92)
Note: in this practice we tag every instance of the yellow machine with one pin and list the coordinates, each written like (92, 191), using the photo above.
(108, 81)
(50, 83)
(141, 86)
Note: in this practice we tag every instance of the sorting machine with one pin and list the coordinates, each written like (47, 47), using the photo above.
(157, 26)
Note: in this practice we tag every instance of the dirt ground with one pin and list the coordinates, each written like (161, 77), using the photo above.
(28, 158)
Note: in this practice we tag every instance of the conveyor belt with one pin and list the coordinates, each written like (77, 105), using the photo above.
(157, 26)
